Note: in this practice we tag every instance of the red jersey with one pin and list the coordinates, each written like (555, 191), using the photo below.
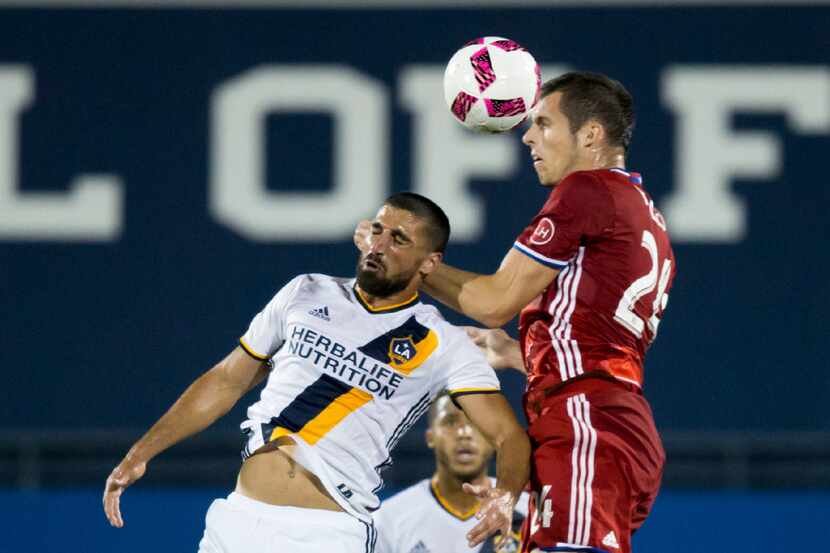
(601, 313)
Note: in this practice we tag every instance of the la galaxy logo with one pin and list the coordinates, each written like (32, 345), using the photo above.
(401, 350)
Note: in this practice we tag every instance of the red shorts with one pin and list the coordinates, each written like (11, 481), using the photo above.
(596, 466)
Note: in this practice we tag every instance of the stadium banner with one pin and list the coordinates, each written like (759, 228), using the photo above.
(166, 167)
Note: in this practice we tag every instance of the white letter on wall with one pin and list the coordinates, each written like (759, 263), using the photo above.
(91, 211)
(710, 154)
(447, 156)
(238, 194)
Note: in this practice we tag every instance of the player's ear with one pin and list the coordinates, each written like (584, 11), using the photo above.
(430, 438)
(430, 263)
(591, 134)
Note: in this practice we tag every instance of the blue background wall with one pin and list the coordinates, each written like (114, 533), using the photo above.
(105, 333)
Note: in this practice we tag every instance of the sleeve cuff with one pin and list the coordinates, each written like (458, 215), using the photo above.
(469, 391)
(547, 261)
(251, 352)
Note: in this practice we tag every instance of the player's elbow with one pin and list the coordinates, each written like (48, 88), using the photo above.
(495, 318)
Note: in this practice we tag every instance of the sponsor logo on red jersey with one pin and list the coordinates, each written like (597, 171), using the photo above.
(543, 233)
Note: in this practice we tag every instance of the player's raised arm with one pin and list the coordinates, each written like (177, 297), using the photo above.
(209, 397)
(493, 300)
(494, 418)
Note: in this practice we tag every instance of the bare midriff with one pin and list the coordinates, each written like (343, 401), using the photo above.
(272, 476)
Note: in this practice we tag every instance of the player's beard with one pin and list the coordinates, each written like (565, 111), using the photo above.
(374, 284)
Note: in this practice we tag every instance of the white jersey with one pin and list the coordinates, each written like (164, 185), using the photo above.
(419, 520)
(348, 380)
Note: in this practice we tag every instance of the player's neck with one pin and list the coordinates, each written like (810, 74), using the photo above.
(600, 159)
(377, 302)
(450, 489)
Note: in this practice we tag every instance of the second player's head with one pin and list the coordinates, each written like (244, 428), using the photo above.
(582, 120)
(460, 449)
(408, 237)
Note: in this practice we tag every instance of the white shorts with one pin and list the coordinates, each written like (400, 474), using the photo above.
(239, 524)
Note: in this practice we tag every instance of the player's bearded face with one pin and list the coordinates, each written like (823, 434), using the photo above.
(394, 255)
(374, 278)
(553, 147)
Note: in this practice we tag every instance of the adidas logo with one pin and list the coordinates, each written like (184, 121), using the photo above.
(610, 540)
(419, 548)
(321, 313)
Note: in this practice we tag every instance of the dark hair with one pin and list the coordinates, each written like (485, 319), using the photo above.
(437, 223)
(587, 95)
(433, 408)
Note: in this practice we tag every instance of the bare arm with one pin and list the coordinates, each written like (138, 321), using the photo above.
(493, 300)
(492, 415)
(209, 397)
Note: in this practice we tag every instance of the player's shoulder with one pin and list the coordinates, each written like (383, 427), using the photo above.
(595, 181)
(429, 315)
(580, 189)
(310, 283)
(448, 333)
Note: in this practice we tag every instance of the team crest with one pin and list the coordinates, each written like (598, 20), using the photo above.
(401, 350)
(404, 348)
(543, 233)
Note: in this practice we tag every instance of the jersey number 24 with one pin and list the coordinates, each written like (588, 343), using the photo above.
(658, 276)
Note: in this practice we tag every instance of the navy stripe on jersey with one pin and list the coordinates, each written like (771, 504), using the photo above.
(379, 471)
(411, 417)
(307, 405)
(415, 416)
(371, 537)
(246, 451)
(408, 420)
(379, 347)
(455, 395)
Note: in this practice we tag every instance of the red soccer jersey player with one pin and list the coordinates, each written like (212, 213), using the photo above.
(600, 228)
(583, 341)
(590, 276)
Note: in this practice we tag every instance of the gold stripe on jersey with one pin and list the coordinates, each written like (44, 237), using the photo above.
(462, 391)
(436, 493)
(250, 351)
(278, 432)
(328, 418)
(386, 308)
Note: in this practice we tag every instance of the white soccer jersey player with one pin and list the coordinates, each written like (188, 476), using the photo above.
(419, 520)
(349, 380)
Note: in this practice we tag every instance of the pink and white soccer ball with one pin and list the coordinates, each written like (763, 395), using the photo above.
(491, 84)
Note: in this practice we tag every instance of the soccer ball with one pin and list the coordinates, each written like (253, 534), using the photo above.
(491, 84)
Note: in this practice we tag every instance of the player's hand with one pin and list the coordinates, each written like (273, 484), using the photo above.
(495, 513)
(126, 473)
(361, 235)
(501, 350)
